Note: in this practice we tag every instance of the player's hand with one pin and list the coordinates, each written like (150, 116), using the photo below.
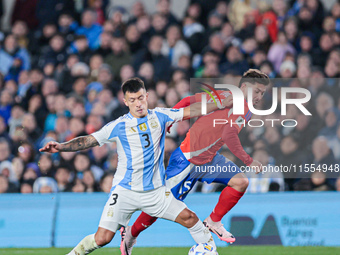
(257, 166)
(228, 102)
(51, 147)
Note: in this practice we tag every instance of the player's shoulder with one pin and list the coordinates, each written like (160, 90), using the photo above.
(121, 119)
(165, 110)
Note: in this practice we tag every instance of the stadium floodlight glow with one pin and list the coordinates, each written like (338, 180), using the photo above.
(238, 100)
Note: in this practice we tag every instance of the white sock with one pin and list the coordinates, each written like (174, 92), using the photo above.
(86, 246)
(201, 234)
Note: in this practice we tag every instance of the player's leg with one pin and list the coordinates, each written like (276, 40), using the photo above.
(93, 242)
(129, 234)
(165, 205)
(117, 211)
(230, 196)
(198, 231)
(237, 183)
(143, 222)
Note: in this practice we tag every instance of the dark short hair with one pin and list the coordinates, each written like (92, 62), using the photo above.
(255, 76)
(132, 85)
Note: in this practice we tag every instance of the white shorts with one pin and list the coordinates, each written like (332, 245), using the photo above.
(122, 203)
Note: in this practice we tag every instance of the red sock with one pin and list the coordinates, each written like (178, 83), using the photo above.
(228, 199)
(143, 222)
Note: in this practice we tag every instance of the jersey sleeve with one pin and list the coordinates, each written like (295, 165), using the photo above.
(185, 102)
(106, 134)
(169, 116)
(231, 139)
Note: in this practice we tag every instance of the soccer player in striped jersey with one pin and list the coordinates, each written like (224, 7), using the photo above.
(139, 182)
(200, 148)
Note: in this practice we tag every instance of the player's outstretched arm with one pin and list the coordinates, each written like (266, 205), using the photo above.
(76, 144)
(195, 110)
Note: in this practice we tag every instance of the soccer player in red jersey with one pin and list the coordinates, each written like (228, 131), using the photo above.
(200, 148)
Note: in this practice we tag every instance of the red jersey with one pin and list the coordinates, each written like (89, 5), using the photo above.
(208, 134)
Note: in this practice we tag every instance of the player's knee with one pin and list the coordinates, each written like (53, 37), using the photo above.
(239, 182)
(243, 183)
(103, 239)
(188, 218)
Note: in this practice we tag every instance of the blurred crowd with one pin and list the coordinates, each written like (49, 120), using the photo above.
(63, 61)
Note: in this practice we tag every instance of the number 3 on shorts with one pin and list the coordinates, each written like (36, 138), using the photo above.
(114, 198)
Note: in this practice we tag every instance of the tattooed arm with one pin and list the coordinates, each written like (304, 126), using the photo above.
(76, 144)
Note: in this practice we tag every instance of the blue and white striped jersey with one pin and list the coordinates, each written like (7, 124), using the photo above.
(140, 147)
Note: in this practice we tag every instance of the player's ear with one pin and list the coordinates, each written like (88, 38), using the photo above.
(243, 85)
(147, 95)
(125, 102)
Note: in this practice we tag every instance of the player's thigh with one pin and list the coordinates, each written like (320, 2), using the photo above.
(162, 204)
(221, 170)
(121, 204)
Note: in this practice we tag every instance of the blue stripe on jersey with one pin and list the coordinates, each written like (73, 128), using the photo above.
(148, 153)
(126, 182)
(115, 131)
(248, 118)
(247, 114)
(163, 118)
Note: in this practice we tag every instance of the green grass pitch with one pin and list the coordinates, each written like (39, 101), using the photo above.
(233, 250)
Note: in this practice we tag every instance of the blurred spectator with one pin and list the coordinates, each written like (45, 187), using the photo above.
(320, 55)
(106, 182)
(269, 179)
(161, 64)
(137, 11)
(104, 48)
(45, 185)
(159, 24)
(64, 77)
(278, 51)
(6, 101)
(238, 11)
(80, 47)
(89, 181)
(173, 47)
(6, 170)
(46, 165)
(21, 32)
(78, 186)
(55, 53)
(13, 58)
(63, 177)
(289, 155)
(26, 187)
(163, 7)
(66, 26)
(120, 55)
(235, 63)
(89, 28)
